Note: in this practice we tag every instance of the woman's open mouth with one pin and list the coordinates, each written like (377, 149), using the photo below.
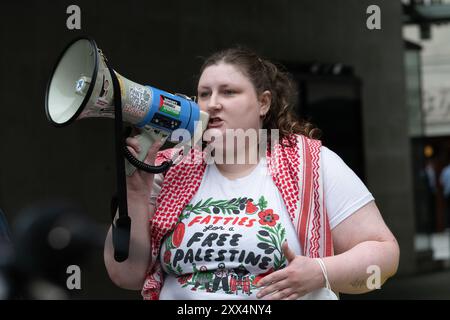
(215, 122)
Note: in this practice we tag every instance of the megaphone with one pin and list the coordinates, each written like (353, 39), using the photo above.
(81, 86)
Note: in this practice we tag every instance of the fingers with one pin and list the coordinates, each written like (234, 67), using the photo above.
(281, 294)
(135, 148)
(134, 144)
(293, 296)
(272, 278)
(151, 154)
(288, 253)
(132, 151)
(271, 289)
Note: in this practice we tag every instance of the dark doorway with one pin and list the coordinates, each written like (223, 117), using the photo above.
(333, 103)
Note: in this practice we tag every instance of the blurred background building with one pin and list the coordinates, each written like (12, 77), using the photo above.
(380, 96)
(427, 66)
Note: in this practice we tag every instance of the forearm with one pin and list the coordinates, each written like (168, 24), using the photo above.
(130, 274)
(349, 271)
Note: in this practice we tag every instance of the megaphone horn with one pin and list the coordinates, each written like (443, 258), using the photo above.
(81, 86)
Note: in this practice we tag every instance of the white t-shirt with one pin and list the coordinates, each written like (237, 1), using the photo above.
(230, 234)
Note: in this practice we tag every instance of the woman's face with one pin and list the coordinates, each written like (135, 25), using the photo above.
(230, 99)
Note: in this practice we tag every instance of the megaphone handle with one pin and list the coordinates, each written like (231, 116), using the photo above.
(146, 139)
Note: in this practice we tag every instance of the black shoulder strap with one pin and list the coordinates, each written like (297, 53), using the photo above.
(121, 227)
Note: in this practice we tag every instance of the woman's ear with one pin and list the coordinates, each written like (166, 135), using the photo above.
(265, 100)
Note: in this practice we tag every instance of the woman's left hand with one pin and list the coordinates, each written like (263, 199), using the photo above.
(301, 276)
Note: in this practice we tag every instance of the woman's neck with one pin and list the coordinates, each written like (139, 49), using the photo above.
(239, 168)
(235, 171)
(237, 163)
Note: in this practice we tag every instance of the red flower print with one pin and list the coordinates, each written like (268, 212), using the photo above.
(267, 217)
(178, 234)
(250, 208)
(184, 278)
(167, 256)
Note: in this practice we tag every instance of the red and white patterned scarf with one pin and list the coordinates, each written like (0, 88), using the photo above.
(295, 169)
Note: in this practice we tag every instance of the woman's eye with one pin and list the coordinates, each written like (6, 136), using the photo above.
(229, 92)
(203, 94)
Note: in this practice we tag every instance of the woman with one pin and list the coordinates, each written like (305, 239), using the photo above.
(282, 225)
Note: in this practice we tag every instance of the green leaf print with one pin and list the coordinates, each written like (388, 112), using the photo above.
(277, 263)
(227, 207)
(221, 203)
(271, 239)
(270, 230)
(211, 206)
(274, 240)
(283, 233)
(172, 270)
(207, 202)
(168, 243)
(184, 215)
(262, 203)
(262, 239)
(179, 270)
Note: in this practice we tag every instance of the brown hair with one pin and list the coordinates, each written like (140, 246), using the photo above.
(265, 75)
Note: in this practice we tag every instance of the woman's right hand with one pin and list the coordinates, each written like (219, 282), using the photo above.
(139, 184)
(130, 274)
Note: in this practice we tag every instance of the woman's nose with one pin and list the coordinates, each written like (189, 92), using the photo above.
(213, 103)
